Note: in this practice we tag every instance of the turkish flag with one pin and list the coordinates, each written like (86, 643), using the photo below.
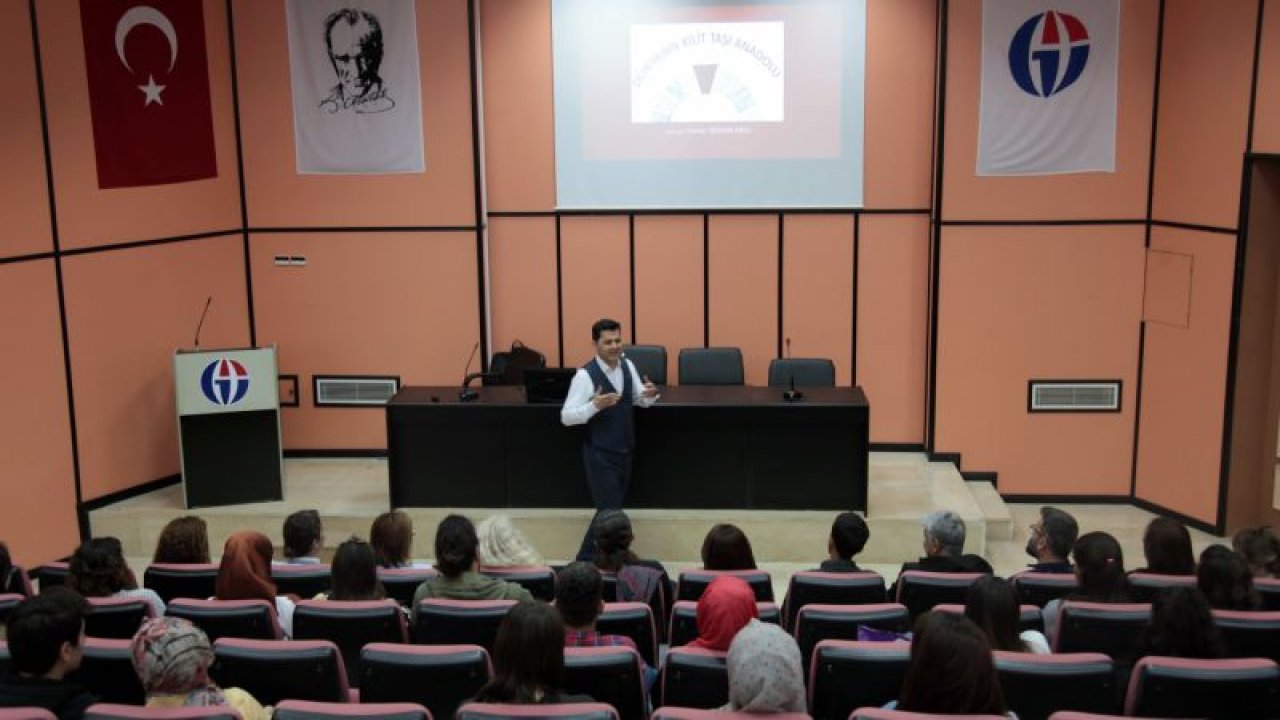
(148, 91)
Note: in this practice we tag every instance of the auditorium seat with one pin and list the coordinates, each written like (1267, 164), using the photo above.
(692, 583)
(30, 713)
(115, 617)
(4, 658)
(113, 711)
(1029, 616)
(650, 361)
(1217, 689)
(1144, 586)
(248, 619)
(695, 678)
(684, 620)
(402, 583)
(920, 591)
(8, 601)
(633, 620)
(566, 711)
(438, 677)
(52, 573)
(310, 710)
(305, 581)
(1038, 589)
(1269, 590)
(106, 670)
(1107, 628)
(1250, 634)
(846, 675)
(802, 372)
(175, 580)
(711, 366)
(680, 713)
(539, 580)
(830, 588)
(460, 622)
(1035, 686)
(817, 622)
(350, 625)
(1073, 715)
(275, 670)
(19, 583)
(610, 675)
(875, 713)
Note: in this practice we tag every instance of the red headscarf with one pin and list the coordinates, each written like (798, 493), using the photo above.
(725, 608)
(245, 573)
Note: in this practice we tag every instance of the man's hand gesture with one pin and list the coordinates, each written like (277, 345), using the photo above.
(650, 390)
(604, 400)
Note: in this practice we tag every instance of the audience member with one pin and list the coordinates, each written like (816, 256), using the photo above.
(638, 580)
(848, 536)
(579, 600)
(98, 570)
(46, 641)
(1100, 576)
(764, 671)
(528, 659)
(1167, 547)
(951, 671)
(172, 659)
(185, 540)
(10, 574)
(303, 538)
(992, 604)
(392, 539)
(354, 573)
(944, 534)
(503, 545)
(726, 606)
(1051, 539)
(726, 547)
(456, 560)
(1182, 626)
(245, 574)
(1224, 578)
(1261, 549)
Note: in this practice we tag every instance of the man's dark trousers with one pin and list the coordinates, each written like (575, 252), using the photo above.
(606, 453)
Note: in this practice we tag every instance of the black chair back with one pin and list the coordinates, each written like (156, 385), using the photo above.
(695, 678)
(845, 676)
(1250, 634)
(831, 588)
(275, 670)
(1039, 588)
(817, 622)
(106, 670)
(1111, 629)
(52, 573)
(438, 677)
(539, 580)
(401, 583)
(920, 591)
(350, 626)
(650, 361)
(248, 619)
(711, 366)
(609, 675)
(802, 372)
(1036, 686)
(460, 622)
(115, 617)
(1144, 586)
(633, 620)
(305, 581)
(1214, 689)
(172, 580)
(693, 583)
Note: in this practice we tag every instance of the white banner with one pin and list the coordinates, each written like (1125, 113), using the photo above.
(1048, 86)
(357, 104)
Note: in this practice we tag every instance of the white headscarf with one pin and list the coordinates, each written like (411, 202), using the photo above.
(764, 671)
(502, 545)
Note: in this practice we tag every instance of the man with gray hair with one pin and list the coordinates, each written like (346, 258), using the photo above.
(944, 548)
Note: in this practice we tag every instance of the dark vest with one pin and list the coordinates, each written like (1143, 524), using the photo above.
(612, 428)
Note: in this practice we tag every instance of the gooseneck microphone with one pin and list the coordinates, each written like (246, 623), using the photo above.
(200, 325)
(791, 394)
(467, 394)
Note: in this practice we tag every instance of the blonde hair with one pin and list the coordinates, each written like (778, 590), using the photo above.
(502, 545)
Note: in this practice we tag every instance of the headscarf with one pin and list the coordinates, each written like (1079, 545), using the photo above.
(764, 671)
(245, 573)
(726, 606)
(502, 545)
(172, 657)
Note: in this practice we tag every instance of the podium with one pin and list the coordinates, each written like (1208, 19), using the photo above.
(228, 426)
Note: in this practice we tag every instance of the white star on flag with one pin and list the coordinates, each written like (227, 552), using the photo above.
(152, 91)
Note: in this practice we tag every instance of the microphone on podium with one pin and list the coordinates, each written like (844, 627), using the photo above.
(791, 394)
(200, 325)
(467, 394)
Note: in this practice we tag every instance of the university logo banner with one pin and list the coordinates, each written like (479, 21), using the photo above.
(148, 91)
(356, 90)
(1048, 86)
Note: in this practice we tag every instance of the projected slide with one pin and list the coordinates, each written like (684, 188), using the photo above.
(707, 73)
(708, 104)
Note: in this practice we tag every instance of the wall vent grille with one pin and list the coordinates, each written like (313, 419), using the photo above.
(1073, 396)
(348, 391)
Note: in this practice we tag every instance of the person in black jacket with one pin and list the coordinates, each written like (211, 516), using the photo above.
(944, 549)
(849, 534)
(46, 641)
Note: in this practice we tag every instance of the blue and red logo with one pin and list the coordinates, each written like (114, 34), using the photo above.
(224, 382)
(1048, 53)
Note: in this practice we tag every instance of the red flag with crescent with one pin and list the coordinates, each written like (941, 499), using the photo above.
(148, 91)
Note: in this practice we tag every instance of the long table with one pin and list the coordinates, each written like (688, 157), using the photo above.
(698, 447)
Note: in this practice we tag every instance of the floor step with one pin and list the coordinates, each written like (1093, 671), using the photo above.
(999, 519)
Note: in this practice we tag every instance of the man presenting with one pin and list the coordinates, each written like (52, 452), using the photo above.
(601, 397)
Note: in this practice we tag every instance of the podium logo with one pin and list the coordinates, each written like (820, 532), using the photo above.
(224, 382)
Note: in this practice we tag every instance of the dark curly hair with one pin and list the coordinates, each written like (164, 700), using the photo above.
(98, 569)
(1182, 626)
(184, 540)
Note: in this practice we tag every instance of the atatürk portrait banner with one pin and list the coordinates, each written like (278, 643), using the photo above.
(357, 104)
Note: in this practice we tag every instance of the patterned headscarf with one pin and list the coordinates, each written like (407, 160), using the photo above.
(172, 657)
(764, 671)
(725, 607)
(245, 573)
(502, 545)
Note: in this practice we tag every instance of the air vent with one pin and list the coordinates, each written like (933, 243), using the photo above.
(1073, 396)
(349, 390)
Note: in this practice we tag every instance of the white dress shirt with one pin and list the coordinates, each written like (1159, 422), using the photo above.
(578, 408)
